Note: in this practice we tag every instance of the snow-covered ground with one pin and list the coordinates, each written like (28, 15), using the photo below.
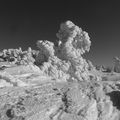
(56, 82)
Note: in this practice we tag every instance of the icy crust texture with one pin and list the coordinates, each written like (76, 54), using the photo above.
(66, 58)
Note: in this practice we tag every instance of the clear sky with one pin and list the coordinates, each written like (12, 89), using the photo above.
(23, 23)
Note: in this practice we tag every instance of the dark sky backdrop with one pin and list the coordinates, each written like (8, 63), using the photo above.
(23, 23)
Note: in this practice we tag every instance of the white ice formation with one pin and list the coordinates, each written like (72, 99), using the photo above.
(72, 43)
(55, 82)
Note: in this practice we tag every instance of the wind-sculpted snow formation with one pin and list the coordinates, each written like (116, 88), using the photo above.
(55, 82)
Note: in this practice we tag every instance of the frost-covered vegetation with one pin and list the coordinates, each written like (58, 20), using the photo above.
(55, 81)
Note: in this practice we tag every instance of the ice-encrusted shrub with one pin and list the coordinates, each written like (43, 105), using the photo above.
(72, 43)
(46, 50)
(17, 56)
(116, 64)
